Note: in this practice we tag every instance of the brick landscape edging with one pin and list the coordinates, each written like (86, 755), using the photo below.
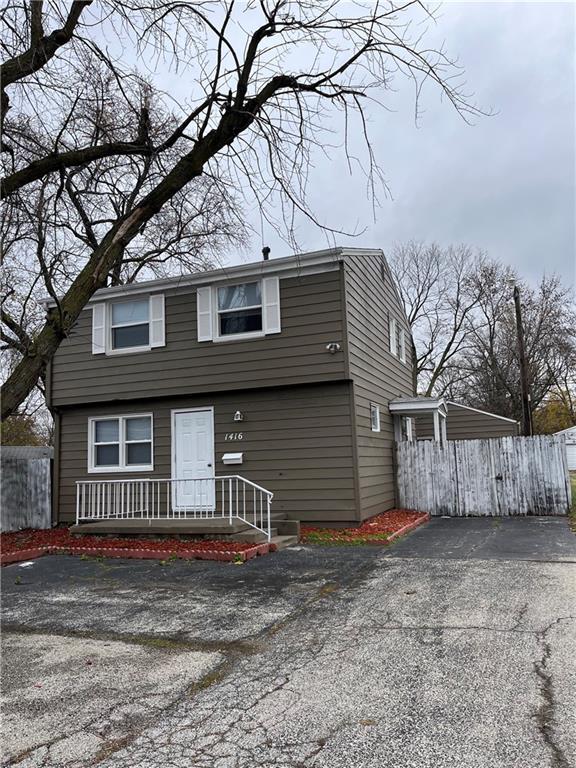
(409, 527)
(24, 554)
(424, 518)
(6, 558)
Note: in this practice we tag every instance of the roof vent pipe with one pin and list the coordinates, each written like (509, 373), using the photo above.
(266, 253)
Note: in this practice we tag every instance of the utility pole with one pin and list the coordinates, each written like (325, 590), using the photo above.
(526, 412)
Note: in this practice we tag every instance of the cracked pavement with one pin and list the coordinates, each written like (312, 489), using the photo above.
(419, 656)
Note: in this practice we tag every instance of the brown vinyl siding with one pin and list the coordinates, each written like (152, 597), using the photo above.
(307, 429)
(312, 317)
(465, 424)
(378, 376)
(297, 443)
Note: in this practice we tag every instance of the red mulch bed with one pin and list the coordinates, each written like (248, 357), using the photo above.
(380, 529)
(60, 540)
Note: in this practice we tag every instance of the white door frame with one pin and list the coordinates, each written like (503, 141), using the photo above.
(173, 413)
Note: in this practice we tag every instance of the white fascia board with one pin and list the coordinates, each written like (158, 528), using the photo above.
(566, 431)
(484, 413)
(287, 266)
(404, 407)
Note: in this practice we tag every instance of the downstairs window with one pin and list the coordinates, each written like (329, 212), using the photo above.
(120, 443)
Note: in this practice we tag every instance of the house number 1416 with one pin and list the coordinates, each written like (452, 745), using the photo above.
(233, 436)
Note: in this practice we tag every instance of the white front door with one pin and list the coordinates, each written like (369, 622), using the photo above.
(193, 459)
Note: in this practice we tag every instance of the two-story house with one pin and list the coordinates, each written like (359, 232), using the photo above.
(279, 372)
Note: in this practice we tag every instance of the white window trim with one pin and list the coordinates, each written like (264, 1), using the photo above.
(125, 350)
(374, 408)
(122, 442)
(393, 335)
(402, 340)
(409, 428)
(216, 336)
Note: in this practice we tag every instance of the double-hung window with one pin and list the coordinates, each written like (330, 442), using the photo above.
(130, 324)
(240, 309)
(249, 310)
(120, 443)
(399, 340)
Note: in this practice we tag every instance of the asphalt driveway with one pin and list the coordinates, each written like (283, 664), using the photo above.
(545, 539)
(454, 647)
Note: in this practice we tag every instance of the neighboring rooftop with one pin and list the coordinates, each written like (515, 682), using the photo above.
(26, 452)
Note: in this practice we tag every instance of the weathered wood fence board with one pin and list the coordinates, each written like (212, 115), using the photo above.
(26, 491)
(495, 477)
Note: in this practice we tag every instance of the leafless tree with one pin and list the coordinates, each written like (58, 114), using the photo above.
(459, 305)
(255, 87)
(439, 292)
(49, 228)
(489, 373)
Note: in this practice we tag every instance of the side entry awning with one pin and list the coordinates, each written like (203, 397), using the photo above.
(407, 408)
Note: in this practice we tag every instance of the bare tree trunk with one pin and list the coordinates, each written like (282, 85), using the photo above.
(238, 92)
(414, 369)
(110, 251)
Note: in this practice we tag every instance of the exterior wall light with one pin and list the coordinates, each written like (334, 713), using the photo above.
(238, 416)
(333, 347)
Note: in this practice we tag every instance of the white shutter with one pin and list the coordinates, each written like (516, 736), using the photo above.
(98, 329)
(393, 339)
(204, 313)
(157, 332)
(271, 305)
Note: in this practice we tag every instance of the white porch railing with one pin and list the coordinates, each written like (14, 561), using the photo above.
(221, 497)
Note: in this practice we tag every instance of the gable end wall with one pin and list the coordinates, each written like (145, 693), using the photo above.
(377, 375)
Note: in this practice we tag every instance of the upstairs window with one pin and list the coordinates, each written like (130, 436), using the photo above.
(393, 336)
(122, 443)
(402, 344)
(130, 324)
(399, 340)
(239, 309)
(135, 325)
(248, 310)
(375, 417)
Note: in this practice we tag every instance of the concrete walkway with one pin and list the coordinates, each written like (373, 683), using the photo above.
(420, 656)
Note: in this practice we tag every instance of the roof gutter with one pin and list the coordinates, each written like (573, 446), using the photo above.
(299, 262)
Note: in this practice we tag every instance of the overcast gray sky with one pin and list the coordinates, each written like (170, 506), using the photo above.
(506, 184)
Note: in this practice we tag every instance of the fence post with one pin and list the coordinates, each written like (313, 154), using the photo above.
(230, 499)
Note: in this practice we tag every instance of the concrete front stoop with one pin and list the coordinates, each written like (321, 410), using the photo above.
(284, 533)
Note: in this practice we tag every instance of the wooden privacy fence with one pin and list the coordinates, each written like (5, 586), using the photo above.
(497, 477)
(26, 497)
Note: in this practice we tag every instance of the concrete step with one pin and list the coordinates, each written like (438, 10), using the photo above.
(287, 527)
(281, 542)
(163, 527)
(253, 536)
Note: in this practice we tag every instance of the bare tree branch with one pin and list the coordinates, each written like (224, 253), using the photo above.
(102, 163)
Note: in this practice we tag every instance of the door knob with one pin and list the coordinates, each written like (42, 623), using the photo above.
(208, 465)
